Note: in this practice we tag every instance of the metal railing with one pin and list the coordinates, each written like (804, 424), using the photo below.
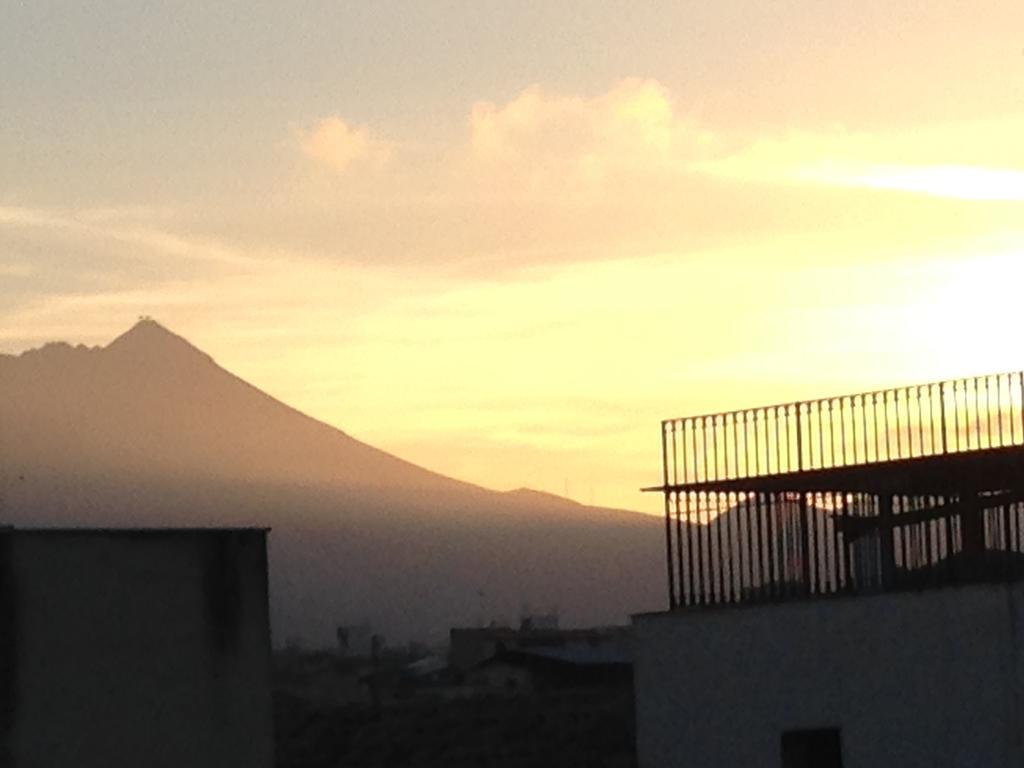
(743, 543)
(746, 548)
(888, 425)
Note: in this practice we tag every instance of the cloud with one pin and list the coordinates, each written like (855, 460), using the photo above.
(971, 160)
(542, 140)
(16, 269)
(951, 181)
(337, 144)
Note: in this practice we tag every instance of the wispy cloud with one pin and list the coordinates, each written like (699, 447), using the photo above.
(968, 160)
(340, 145)
(962, 182)
(128, 225)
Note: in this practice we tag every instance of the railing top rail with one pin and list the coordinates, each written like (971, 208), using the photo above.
(777, 407)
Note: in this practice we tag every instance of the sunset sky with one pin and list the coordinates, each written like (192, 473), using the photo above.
(503, 240)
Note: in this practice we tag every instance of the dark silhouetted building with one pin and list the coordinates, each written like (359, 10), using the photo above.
(128, 648)
(844, 581)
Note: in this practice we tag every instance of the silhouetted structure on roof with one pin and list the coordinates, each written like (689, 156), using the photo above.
(471, 646)
(907, 507)
(883, 490)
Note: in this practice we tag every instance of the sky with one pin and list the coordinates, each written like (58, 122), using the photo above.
(504, 240)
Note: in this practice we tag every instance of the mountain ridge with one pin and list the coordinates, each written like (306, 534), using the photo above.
(150, 430)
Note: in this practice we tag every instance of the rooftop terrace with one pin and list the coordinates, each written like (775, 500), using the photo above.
(898, 488)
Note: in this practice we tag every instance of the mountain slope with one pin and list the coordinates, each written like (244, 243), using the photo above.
(150, 431)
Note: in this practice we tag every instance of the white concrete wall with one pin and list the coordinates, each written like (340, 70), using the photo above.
(925, 679)
(135, 649)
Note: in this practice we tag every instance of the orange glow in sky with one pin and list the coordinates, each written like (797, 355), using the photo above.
(505, 245)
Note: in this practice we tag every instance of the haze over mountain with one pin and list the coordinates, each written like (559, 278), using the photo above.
(150, 431)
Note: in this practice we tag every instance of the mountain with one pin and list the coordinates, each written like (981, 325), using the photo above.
(150, 431)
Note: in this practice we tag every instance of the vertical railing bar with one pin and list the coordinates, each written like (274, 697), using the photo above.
(759, 547)
(977, 417)
(741, 440)
(787, 437)
(719, 560)
(753, 552)
(713, 475)
(842, 430)
(668, 519)
(1006, 530)
(779, 467)
(694, 454)
(799, 437)
(864, 427)
(921, 423)
(897, 511)
(753, 443)
(763, 417)
(692, 544)
(1020, 528)
(885, 425)
(1020, 378)
(999, 408)
(822, 558)
(853, 427)
(906, 507)
(979, 412)
(682, 441)
(831, 462)
(702, 550)
(741, 550)
(942, 399)
(874, 426)
(721, 430)
(899, 427)
(732, 592)
(836, 409)
(843, 544)
(765, 533)
(705, 447)
(933, 548)
(839, 546)
(815, 547)
(988, 410)
(907, 395)
(821, 436)
(681, 562)
(736, 446)
(804, 545)
(787, 422)
(956, 418)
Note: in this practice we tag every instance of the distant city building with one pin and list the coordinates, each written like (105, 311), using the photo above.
(844, 581)
(127, 648)
(355, 641)
(539, 621)
(470, 646)
(544, 669)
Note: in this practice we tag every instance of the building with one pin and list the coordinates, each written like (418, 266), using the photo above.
(134, 647)
(551, 669)
(470, 646)
(356, 641)
(844, 582)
